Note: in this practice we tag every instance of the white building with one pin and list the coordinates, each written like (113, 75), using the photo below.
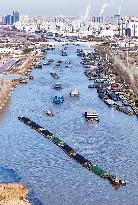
(105, 33)
(133, 26)
(10, 51)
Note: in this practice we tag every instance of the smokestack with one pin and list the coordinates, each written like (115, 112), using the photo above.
(99, 19)
(134, 29)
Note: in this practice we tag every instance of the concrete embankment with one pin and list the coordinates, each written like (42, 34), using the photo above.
(13, 194)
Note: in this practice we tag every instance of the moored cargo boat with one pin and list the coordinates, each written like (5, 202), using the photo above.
(124, 110)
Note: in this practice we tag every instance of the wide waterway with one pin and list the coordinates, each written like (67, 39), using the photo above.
(48, 171)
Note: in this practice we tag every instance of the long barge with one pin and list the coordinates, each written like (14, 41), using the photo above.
(73, 154)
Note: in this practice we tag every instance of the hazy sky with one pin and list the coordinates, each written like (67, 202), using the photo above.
(68, 7)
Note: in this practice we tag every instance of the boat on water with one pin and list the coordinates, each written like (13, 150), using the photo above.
(58, 86)
(80, 53)
(74, 93)
(67, 62)
(124, 110)
(58, 100)
(54, 75)
(93, 86)
(65, 48)
(38, 65)
(50, 60)
(22, 81)
(58, 65)
(64, 53)
(60, 61)
(49, 113)
(46, 63)
(99, 80)
(31, 77)
(109, 102)
(91, 116)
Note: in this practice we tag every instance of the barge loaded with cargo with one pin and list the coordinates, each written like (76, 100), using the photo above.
(73, 154)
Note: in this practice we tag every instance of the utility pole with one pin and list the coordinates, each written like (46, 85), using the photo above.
(128, 58)
(122, 27)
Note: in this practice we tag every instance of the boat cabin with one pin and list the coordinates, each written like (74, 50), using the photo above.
(74, 93)
(91, 116)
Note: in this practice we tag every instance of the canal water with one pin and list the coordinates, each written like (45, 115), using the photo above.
(52, 177)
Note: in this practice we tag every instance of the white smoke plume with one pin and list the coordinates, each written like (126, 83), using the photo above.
(104, 6)
(119, 10)
(88, 10)
(83, 18)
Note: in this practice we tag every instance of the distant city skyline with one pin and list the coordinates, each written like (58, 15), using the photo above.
(70, 8)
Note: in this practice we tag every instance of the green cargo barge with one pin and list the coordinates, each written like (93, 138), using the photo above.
(72, 153)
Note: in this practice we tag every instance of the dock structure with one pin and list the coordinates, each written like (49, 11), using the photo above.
(73, 154)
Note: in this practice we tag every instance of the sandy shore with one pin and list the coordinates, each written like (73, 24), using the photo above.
(13, 194)
(6, 89)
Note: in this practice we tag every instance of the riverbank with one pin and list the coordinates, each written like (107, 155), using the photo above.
(8, 86)
(13, 194)
(6, 89)
(124, 75)
(123, 63)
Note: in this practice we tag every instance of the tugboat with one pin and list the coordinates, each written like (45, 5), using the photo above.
(58, 86)
(49, 113)
(115, 181)
(91, 116)
(74, 93)
(58, 100)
